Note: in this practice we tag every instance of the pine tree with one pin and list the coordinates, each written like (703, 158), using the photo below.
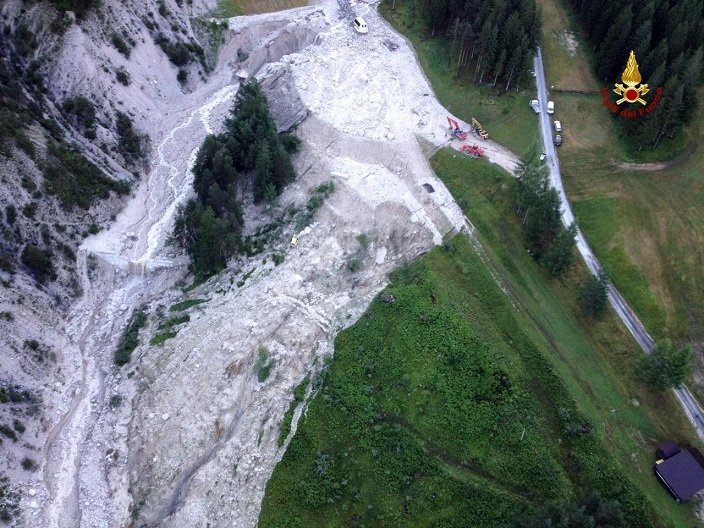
(594, 294)
(262, 172)
(560, 255)
(665, 366)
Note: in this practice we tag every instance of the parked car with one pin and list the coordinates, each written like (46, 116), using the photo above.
(551, 107)
(542, 156)
(360, 25)
(558, 126)
(535, 105)
(558, 140)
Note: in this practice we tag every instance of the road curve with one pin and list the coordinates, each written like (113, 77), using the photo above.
(691, 406)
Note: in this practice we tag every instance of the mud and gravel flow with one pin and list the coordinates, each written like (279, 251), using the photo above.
(196, 436)
(77, 446)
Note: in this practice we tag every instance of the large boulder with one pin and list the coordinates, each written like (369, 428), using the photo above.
(285, 104)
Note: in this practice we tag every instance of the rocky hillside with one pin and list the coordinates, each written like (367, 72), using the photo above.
(79, 80)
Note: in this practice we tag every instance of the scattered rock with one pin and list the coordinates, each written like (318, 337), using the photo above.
(387, 298)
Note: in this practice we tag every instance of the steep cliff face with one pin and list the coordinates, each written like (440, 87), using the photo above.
(79, 94)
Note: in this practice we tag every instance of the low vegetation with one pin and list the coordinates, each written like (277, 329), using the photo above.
(130, 338)
(132, 145)
(440, 406)
(158, 339)
(264, 364)
(80, 7)
(413, 423)
(181, 53)
(595, 358)
(185, 305)
(299, 394)
(120, 44)
(74, 180)
(82, 114)
(249, 152)
(40, 263)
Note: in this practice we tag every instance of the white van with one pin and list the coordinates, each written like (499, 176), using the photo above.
(558, 126)
(551, 107)
(360, 25)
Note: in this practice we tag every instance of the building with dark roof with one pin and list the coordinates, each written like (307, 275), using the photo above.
(680, 470)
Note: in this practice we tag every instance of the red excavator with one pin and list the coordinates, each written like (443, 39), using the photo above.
(455, 129)
(474, 151)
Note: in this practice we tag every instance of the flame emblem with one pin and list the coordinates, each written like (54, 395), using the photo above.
(631, 78)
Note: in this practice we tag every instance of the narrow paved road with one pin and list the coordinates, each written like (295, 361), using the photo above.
(690, 405)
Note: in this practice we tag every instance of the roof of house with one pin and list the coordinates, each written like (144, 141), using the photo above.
(667, 449)
(682, 473)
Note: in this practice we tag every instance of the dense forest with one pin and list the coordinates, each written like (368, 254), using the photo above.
(666, 36)
(249, 154)
(493, 40)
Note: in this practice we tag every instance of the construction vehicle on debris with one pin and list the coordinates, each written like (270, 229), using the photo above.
(455, 129)
(477, 127)
(474, 151)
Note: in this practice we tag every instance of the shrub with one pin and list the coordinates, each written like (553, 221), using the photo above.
(263, 365)
(39, 262)
(160, 338)
(291, 143)
(354, 265)
(18, 426)
(120, 44)
(30, 209)
(28, 464)
(82, 111)
(10, 214)
(115, 401)
(8, 432)
(184, 305)
(130, 143)
(179, 53)
(130, 338)
(75, 180)
(182, 76)
(122, 76)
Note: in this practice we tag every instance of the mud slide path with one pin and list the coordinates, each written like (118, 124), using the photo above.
(96, 322)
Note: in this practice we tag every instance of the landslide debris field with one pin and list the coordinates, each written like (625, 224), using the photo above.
(187, 432)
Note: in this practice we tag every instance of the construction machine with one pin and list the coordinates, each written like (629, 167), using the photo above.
(475, 151)
(455, 129)
(477, 126)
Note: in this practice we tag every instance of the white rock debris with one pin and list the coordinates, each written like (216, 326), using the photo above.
(194, 439)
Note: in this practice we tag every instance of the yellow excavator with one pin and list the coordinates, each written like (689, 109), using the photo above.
(477, 126)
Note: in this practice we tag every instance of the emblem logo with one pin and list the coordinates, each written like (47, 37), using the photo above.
(631, 93)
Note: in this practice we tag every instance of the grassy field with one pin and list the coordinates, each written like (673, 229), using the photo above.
(647, 227)
(595, 359)
(453, 408)
(506, 116)
(231, 8)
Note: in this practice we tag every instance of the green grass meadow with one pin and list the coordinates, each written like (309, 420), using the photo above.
(462, 405)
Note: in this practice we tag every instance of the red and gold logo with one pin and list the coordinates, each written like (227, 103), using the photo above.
(631, 91)
(631, 78)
